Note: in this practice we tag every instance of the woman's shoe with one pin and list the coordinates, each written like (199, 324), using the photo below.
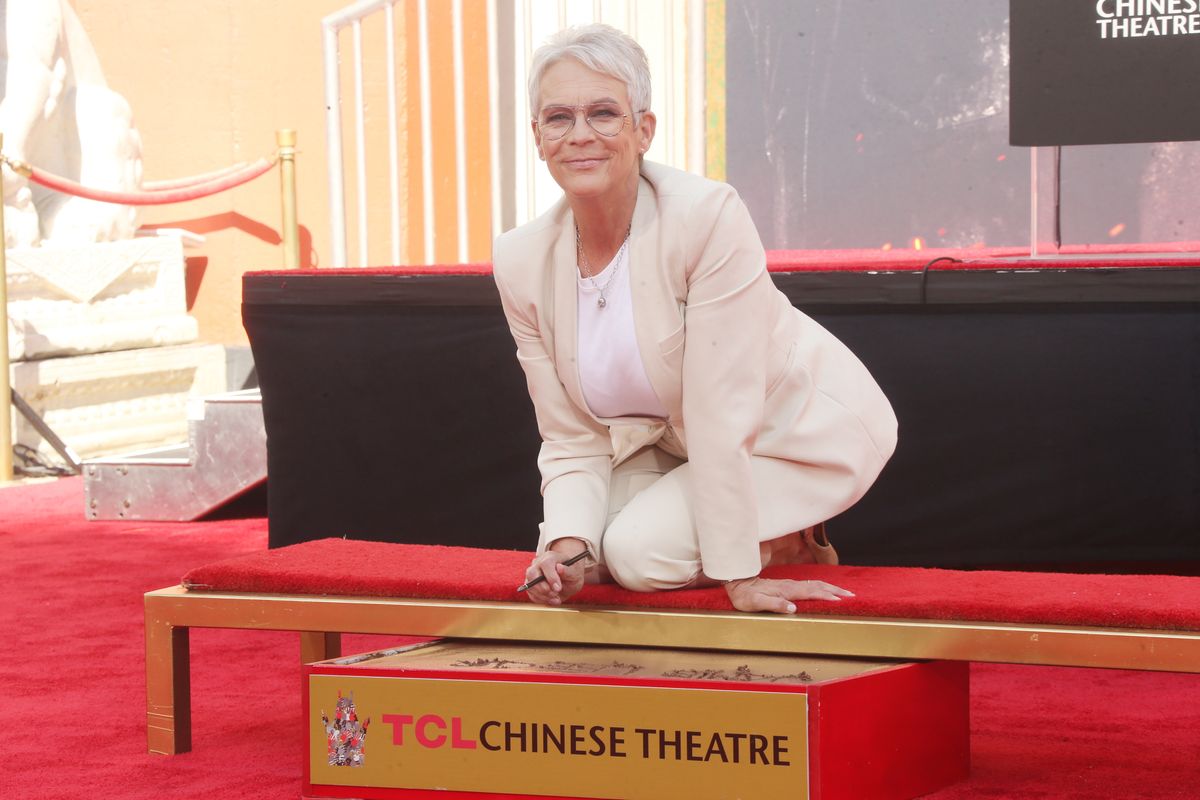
(819, 548)
(809, 546)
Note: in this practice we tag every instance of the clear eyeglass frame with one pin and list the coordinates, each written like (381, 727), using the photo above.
(553, 131)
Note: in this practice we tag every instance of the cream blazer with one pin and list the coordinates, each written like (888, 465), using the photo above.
(741, 372)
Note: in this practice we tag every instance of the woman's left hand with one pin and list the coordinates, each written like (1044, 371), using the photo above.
(770, 594)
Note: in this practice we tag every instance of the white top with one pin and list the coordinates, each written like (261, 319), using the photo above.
(611, 371)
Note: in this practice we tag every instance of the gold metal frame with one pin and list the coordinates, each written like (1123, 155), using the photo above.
(714, 89)
(285, 140)
(6, 429)
(321, 619)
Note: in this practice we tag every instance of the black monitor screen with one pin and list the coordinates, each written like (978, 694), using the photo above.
(1104, 71)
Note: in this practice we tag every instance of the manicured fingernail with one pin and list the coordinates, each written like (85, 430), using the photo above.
(835, 597)
(791, 608)
(851, 594)
(558, 587)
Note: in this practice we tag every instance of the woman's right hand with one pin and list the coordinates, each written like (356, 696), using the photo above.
(562, 582)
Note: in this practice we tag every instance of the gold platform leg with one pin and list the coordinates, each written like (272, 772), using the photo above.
(318, 646)
(168, 687)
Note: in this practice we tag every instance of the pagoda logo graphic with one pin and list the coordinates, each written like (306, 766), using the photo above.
(347, 736)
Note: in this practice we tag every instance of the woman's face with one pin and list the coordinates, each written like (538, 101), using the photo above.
(585, 163)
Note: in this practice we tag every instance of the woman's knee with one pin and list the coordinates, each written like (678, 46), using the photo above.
(641, 564)
(650, 545)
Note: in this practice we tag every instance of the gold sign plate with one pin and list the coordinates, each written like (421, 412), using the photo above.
(602, 722)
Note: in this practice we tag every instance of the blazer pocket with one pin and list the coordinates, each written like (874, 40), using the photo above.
(672, 341)
(788, 362)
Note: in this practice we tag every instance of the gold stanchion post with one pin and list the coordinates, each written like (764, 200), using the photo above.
(6, 431)
(286, 140)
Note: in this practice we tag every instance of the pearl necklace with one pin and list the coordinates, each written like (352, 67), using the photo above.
(587, 267)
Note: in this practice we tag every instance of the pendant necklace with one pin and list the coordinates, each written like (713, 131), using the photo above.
(602, 301)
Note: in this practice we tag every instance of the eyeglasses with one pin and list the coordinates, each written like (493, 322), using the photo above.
(606, 119)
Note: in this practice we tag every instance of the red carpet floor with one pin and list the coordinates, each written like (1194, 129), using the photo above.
(72, 693)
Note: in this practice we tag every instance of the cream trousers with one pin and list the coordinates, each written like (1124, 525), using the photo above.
(650, 540)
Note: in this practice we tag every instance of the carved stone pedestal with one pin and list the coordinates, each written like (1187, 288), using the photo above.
(108, 403)
(97, 298)
(100, 340)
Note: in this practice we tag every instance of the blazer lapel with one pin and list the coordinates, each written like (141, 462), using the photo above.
(654, 305)
(563, 271)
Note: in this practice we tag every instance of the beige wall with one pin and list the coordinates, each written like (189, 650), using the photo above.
(209, 84)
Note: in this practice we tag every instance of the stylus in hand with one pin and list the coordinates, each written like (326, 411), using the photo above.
(541, 578)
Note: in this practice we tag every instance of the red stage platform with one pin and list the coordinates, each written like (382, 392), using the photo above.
(1027, 432)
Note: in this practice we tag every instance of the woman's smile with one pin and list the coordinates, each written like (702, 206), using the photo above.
(585, 163)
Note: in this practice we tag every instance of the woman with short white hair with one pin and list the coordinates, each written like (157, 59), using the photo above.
(695, 426)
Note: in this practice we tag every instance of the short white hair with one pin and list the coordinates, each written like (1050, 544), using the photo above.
(602, 48)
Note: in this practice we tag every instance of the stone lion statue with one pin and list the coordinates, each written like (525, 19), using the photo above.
(57, 113)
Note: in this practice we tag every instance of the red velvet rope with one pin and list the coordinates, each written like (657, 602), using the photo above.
(181, 194)
(192, 180)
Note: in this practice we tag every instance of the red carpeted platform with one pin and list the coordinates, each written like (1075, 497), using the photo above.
(421, 571)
